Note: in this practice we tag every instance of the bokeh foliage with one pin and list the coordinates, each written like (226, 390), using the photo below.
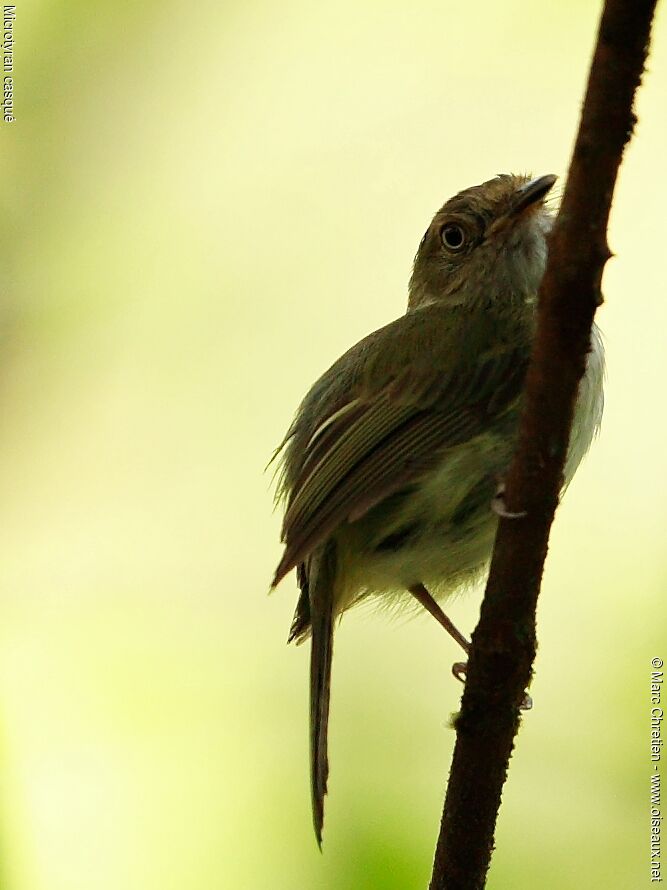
(200, 209)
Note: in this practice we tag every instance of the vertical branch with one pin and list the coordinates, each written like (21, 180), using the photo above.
(504, 642)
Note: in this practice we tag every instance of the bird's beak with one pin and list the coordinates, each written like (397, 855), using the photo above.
(531, 192)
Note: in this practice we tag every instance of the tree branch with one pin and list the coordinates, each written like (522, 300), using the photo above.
(504, 642)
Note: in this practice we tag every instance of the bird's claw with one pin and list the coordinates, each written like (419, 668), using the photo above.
(499, 508)
(460, 670)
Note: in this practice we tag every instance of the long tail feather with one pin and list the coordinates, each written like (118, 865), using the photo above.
(322, 576)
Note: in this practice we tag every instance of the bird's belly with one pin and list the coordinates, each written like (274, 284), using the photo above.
(439, 531)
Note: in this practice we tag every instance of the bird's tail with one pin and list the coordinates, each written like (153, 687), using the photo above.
(321, 573)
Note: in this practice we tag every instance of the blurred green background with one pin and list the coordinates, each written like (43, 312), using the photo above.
(201, 207)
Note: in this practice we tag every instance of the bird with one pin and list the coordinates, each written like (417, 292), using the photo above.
(390, 474)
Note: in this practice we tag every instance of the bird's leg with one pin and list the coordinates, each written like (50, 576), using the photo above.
(499, 508)
(423, 597)
(459, 668)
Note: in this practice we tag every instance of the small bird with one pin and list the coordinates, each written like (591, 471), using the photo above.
(391, 471)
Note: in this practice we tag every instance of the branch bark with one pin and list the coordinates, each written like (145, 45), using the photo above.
(504, 642)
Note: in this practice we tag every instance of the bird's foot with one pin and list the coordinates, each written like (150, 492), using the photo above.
(460, 670)
(499, 508)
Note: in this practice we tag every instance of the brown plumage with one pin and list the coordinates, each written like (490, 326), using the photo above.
(393, 455)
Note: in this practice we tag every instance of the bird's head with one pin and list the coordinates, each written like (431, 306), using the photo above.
(487, 243)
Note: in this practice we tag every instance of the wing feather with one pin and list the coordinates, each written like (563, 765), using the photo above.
(386, 435)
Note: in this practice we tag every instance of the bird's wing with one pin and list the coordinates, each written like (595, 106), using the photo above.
(396, 424)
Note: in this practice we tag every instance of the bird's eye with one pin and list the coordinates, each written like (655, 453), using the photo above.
(453, 236)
